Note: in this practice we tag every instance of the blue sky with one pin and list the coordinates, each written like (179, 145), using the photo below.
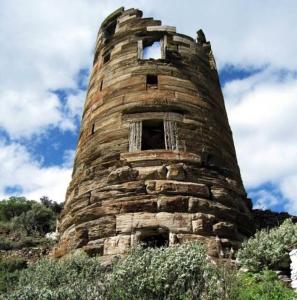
(45, 58)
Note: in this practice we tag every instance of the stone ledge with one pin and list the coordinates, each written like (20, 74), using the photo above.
(177, 222)
(176, 188)
(167, 155)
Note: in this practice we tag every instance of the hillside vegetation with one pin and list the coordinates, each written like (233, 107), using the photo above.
(178, 272)
(24, 223)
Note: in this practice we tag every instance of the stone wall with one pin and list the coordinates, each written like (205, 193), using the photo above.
(123, 190)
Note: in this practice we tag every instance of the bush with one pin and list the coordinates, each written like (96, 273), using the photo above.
(24, 242)
(6, 244)
(76, 277)
(177, 272)
(180, 272)
(39, 219)
(9, 272)
(263, 286)
(268, 247)
(13, 207)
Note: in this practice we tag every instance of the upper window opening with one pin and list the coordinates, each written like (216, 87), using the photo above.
(101, 85)
(152, 135)
(109, 31)
(152, 51)
(106, 58)
(151, 80)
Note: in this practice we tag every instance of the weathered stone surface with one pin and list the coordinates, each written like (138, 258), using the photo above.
(176, 172)
(214, 248)
(152, 172)
(93, 250)
(202, 226)
(122, 175)
(176, 187)
(173, 204)
(224, 229)
(177, 222)
(99, 228)
(183, 238)
(155, 157)
(119, 244)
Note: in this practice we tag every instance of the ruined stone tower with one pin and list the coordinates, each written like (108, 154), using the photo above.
(155, 161)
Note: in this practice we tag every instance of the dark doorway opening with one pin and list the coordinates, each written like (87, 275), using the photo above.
(155, 238)
(152, 135)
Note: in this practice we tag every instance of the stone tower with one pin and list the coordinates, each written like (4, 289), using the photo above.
(155, 161)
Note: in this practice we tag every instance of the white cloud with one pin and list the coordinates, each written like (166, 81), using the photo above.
(44, 44)
(288, 187)
(68, 158)
(242, 33)
(264, 199)
(22, 113)
(19, 169)
(75, 104)
(262, 112)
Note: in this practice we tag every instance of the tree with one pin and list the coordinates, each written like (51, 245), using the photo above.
(39, 219)
(14, 207)
(53, 205)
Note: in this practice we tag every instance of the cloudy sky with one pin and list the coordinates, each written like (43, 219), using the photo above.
(45, 58)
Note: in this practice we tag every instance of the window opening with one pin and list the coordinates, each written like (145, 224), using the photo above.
(109, 31)
(152, 135)
(93, 128)
(101, 85)
(151, 81)
(152, 51)
(210, 160)
(106, 58)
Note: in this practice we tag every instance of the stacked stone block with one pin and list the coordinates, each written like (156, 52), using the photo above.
(155, 161)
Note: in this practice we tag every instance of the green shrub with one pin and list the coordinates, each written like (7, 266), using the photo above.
(24, 242)
(263, 286)
(76, 277)
(17, 214)
(13, 207)
(39, 219)
(268, 247)
(6, 244)
(9, 274)
(177, 272)
(180, 272)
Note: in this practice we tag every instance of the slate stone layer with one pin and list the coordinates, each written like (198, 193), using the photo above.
(121, 195)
